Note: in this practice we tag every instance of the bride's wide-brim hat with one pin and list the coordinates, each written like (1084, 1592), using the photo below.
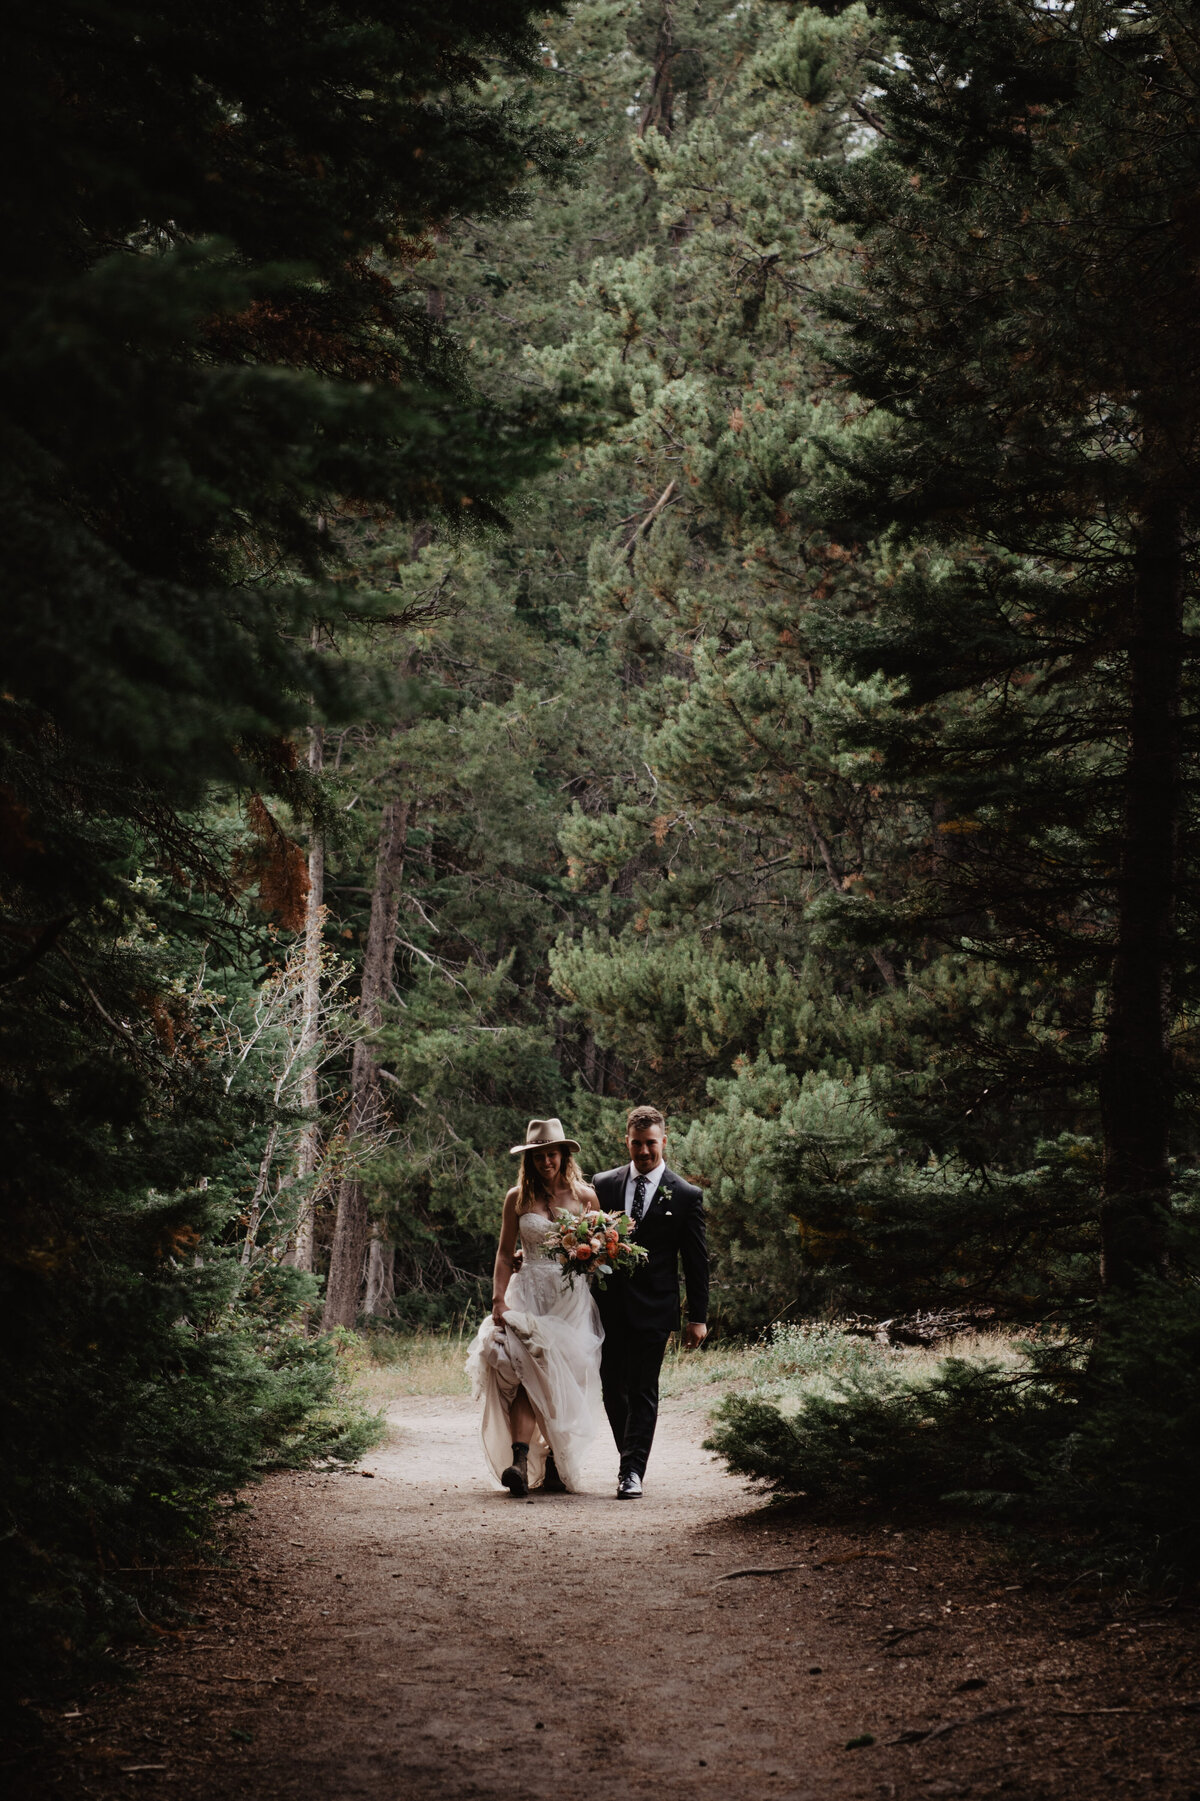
(542, 1134)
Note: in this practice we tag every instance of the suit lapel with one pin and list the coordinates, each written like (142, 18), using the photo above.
(615, 1187)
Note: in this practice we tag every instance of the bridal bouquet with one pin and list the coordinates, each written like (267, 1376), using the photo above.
(592, 1244)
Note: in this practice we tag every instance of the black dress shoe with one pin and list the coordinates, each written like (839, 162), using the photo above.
(629, 1488)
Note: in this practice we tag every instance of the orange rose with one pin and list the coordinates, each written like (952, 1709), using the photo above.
(583, 1252)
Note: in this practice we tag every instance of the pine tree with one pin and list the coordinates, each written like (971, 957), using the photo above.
(465, 1044)
(507, 709)
(652, 667)
(738, 809)
(656, 577)
(206, 350)
(218, 357)
(1024, 327)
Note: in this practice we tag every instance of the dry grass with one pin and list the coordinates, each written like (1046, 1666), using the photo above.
(791, 1362)
(794, 1361)
(414, 1363)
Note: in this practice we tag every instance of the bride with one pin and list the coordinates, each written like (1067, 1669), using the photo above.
(536, 1361)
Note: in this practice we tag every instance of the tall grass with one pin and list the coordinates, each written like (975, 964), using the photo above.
(785, 1365)
(791, 1362)
(429, 1362)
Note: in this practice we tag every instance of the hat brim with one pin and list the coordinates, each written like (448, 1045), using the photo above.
(553, 1144)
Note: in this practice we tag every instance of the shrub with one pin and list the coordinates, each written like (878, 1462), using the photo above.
(1099, 1435)
(142, 1385)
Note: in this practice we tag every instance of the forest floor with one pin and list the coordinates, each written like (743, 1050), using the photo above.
(416, 1635)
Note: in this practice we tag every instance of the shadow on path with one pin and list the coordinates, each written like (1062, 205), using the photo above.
(417, 1635)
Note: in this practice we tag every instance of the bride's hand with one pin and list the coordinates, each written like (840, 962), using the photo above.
(498, 1313)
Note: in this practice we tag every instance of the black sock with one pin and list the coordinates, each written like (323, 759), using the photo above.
(518, 1447)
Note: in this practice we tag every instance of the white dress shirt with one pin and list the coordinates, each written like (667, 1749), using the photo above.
(653, 1178)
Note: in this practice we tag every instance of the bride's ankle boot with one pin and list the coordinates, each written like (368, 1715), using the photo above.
(552, 1483)
(516, 1476)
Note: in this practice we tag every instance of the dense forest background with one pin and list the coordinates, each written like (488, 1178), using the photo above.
(675, 828)
(566, 558)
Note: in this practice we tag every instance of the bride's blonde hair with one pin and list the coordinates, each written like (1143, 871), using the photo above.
(532, 1190)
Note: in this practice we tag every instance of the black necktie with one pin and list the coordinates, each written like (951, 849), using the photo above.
(639, 1199)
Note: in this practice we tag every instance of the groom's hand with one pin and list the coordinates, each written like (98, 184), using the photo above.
(694, 1336)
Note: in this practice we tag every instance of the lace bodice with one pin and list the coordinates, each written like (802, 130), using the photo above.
(533, 1228)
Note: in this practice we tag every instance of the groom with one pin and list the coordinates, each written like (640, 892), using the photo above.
(640, 1311)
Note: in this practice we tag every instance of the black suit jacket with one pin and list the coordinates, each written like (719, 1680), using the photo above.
(672, 1228)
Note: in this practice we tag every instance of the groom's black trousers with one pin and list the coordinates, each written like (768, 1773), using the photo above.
(630, 1363)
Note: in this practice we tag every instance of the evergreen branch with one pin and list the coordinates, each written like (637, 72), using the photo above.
(43, 940)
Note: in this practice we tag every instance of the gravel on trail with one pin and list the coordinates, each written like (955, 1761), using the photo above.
(403, 1631)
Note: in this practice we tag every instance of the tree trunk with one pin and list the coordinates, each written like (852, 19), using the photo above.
(308, 1154)
(381, 1273)
(254, 1217)
(1135, 1072)
(659, 110)
(352, 1230)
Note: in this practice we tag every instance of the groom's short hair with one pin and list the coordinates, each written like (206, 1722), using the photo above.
(640, 1119)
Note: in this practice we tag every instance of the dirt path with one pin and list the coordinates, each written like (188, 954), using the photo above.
(414, 1635)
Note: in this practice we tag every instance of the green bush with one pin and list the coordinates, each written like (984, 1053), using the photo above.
(1130, 1469)
(1100, 1436)
(879, 1437)
(147, 1374)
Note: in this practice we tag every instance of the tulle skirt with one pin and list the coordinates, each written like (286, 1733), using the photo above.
(549, 1345)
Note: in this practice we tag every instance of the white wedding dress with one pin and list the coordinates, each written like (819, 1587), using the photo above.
(549, 1345)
